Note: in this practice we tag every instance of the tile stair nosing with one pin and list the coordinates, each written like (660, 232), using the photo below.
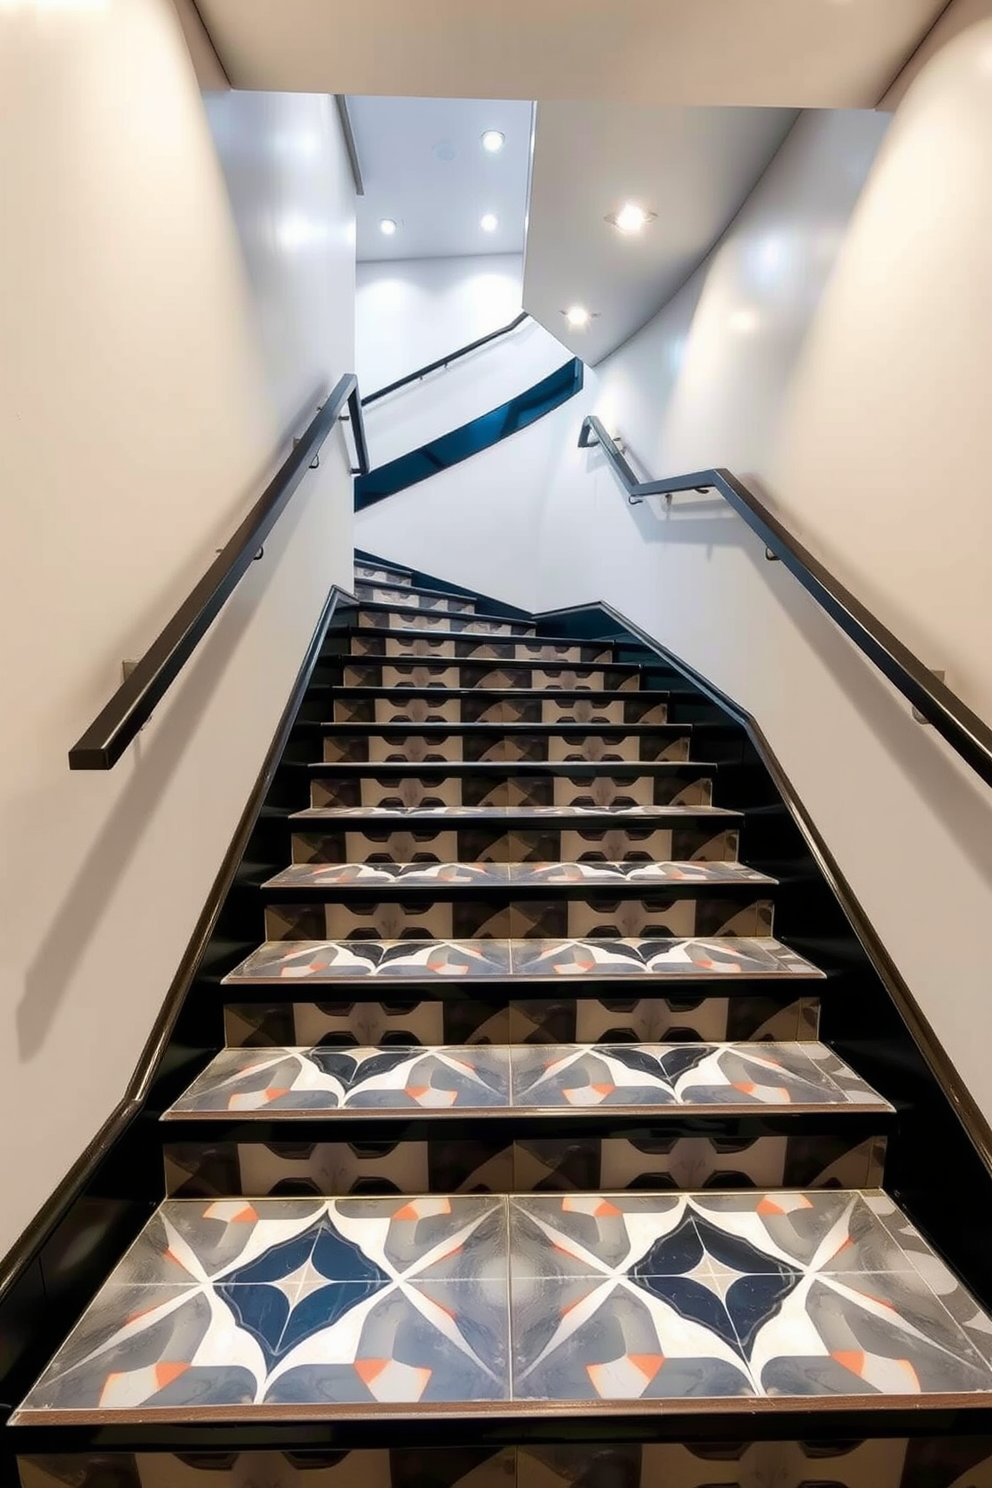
(562, 961)
(506, 1081)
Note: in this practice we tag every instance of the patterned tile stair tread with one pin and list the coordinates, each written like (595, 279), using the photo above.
(536, 960)
(363, 876)
(517, 813)
(550, 1079)
(694, 1302)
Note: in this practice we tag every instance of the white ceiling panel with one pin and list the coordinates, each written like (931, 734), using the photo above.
(782, 53)
(423, 166)
(692, 167)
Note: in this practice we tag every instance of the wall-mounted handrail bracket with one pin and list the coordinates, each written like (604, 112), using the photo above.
(932, 701)
(131, 706)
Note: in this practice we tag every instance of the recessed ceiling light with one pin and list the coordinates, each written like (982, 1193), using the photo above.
(387, 226)
(490, 222)
(577, 316)
(493, 140)
(631, 218)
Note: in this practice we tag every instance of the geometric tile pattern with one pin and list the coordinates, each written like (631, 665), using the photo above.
(328, 1304)
(525, 743)
(514, 705)
(473, 960)
(425, 1020)
(491, 784)
(921, 1462)
(556, 1080)
(453, 875)
(420, 621)
(491, 1161)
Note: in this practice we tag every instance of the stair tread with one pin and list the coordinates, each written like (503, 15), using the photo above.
(526, 814)
(556, 1080)
(687, 1303)
(620, 958)
(443, 876)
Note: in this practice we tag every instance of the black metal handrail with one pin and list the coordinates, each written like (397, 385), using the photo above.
(966, 733)
(442, 362)
(103, 743)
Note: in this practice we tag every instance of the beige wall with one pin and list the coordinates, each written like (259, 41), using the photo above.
(176, 289)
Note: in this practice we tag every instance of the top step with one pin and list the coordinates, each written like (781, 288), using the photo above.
(381, 573)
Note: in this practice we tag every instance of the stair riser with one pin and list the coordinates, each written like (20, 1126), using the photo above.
(677, 786)
(488, 1163)
(859, 1461)
(440, 747)
(855, 1461)
(504, 917)
(394, 578)
(493, 677)
(427, 706)
(463, 1018)
(430, 648)
(496, 844)
(441, 624)
(441, 604)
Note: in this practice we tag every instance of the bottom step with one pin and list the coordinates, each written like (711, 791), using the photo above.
(331, 1309)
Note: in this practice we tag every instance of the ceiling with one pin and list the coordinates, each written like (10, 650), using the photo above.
(423, 166)
(781, 53)
(693, 167)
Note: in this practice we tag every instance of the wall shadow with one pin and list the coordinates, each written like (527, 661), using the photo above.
(79, 914)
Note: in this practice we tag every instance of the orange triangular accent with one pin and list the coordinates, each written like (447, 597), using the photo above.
(879, 1301)
(606, 1208)
(648, 1364)
(369, 1369)
(842, 1246)
(851, 1359)
(747, 1086)
(409, 1211)
(769, 1206)
(170, 1255)
(274, 1094)
(417, 1090)
(603, 1089)
(166, 1373)
(247, 1215)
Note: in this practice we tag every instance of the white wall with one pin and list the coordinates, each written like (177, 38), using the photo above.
(176, 289)
(831, 350)
(415, 311)
(411, 311)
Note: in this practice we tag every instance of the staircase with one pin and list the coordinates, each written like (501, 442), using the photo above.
(522, 1156)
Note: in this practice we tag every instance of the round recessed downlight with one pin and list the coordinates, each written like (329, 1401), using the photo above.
(631, 219)
(493, 140)
(388, 226)
(577, 316)
(490, 222)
